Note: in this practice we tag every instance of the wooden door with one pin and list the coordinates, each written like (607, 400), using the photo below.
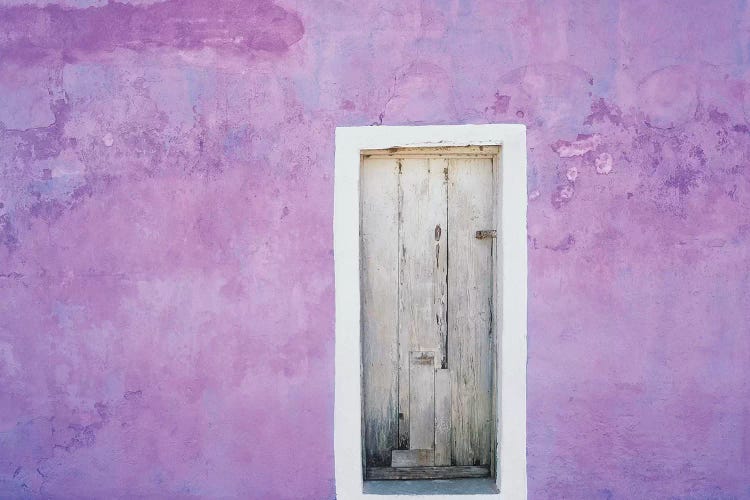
(427, 301)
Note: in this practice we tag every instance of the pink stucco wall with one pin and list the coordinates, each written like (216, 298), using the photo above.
(166, 267)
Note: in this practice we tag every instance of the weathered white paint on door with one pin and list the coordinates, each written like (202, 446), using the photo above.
(426, 284)
(422, 277)
(470, 309)
(443, 417)
(379, 292)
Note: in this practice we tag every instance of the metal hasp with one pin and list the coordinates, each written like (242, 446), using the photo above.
(487, 233)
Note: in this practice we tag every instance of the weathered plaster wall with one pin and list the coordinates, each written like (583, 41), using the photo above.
(166, 268)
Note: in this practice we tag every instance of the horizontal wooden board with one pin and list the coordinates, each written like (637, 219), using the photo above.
(454, 151)
(412, 458)
(403, 473)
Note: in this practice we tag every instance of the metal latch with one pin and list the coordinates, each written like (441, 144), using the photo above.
(486, 233)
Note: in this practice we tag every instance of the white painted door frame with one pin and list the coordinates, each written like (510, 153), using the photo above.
(512, 270)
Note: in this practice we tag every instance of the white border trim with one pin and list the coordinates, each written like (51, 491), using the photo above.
(350, 141)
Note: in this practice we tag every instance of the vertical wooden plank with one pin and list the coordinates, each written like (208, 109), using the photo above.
(497, 294)
(422, 400)
(422, 270)
(470, 194)
(438, 209)
(379, 292)
(442, 417)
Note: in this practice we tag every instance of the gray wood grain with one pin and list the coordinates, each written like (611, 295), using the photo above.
(470, 192)
(427, 305)
(439, 212)
(379, 289)
(422, 400)
(412, 458)
(451, 472)
(442, 417)
(422, 271)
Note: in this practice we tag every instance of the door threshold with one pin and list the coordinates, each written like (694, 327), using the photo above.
(476, 486)
(427, 472)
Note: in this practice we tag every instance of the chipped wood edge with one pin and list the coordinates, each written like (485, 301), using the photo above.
(511, 359)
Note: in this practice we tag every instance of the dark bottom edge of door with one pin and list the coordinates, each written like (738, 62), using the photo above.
(447, 472)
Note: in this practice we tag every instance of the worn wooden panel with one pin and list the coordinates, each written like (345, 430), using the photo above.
(422, 400)
(422, 271)
(396, 473)
(379, 288)
(470, 192)
(442, 417)
(412, 458)
(442, 152)
(439, 211)
(497, 294)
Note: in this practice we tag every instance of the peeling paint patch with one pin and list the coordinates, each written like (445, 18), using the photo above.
(562, 195)
(572, 174)
(582, 145)
(603, 164)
